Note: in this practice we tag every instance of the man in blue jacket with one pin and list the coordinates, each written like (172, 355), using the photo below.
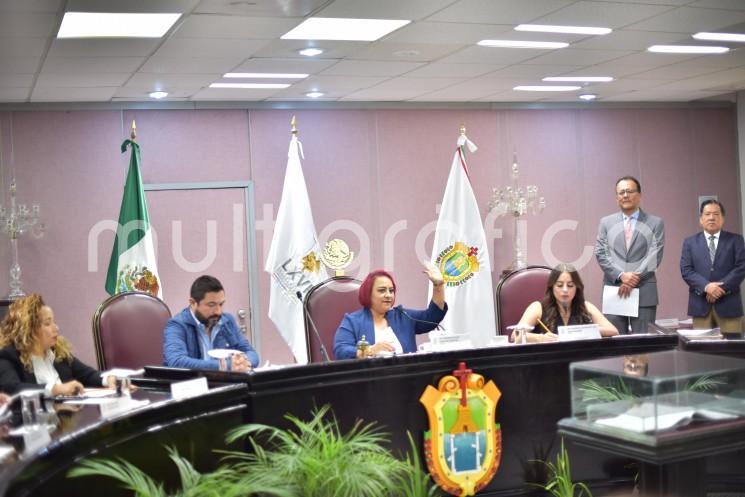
(713, 265)
(191, 334)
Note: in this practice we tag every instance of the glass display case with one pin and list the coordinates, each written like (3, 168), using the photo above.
(656, 397)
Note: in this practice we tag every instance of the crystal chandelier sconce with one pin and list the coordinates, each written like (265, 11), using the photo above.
(517, 202)
(15, 221)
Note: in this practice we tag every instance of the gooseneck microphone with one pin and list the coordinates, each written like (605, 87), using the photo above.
(401, 309)
(322, 347)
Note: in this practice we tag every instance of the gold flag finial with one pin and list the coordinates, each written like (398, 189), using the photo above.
(462, 128)
(133, 134)
(293, 124)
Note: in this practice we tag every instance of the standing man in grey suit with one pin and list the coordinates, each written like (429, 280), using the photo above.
(629, 250)
(713, 264)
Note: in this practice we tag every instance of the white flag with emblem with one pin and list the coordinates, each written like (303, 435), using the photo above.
(294, 257)
(461, 253)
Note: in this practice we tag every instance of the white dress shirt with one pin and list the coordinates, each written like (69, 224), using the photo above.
(44, 371)
(716, 239)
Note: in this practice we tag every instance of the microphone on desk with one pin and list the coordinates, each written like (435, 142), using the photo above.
(401, 309)
(322, 347)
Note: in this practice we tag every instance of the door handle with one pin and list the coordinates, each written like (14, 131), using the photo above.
(242, 320)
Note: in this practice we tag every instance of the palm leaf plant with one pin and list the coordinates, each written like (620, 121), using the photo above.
(192, 482)
(412, 481)
(593, 391)
(560, 483)
(315, 459)
(312, 459)
(706, 383)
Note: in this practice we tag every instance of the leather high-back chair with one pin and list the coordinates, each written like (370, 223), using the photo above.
(516, 291)
(325, 304)
(128, 330)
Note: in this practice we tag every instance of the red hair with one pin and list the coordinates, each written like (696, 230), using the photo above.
(366, 287)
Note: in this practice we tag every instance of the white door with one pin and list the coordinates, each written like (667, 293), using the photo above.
(207, 228)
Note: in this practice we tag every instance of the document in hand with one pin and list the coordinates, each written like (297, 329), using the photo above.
(614, 304)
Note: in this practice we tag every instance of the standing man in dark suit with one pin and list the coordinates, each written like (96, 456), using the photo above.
(713, 265)
(629, 249)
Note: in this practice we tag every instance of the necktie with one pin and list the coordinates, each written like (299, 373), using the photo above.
(628, 232)
(712, 248)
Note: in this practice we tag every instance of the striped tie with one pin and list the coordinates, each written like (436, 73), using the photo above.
(712, 248)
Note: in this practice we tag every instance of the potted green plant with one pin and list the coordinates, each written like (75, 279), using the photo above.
(313, 458)
(559, 482)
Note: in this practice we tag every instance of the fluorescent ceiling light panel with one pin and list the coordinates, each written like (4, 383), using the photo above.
(329, 28)
(265, 75)
(546, 88)
(522, 44)
(579, 79)
(692, 49)
(251, 86)
(113, 25)
(720, 36)
(546, 28)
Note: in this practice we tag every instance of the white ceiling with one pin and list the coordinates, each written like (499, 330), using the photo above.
(433, 59)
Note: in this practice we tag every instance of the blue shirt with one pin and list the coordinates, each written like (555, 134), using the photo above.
(206, 340)
(184, 342)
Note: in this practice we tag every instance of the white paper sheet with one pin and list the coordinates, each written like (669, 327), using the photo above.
(578, 332)
(614, 304)
(642, 418)
(99, 392)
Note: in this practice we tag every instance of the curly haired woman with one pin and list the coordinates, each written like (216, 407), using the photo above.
(33, 355)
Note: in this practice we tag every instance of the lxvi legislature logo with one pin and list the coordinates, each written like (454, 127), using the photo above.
(463, 446)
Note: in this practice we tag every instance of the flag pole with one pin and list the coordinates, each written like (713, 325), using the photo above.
(462, 129)
(293, 126)
(133, 134)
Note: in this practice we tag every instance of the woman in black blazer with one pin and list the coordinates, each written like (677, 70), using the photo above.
(33, 355)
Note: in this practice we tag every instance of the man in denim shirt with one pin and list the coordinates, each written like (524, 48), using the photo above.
(191, 334)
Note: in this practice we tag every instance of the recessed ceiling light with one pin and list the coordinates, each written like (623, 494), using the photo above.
(265, 75)
(692, 49)
(329, 28)
(113, 25)
(720, 36)
(407, 53)
(522, 44)
(310, 52)
(158, 94)
(580, 79)
(314, 94)
(546, 28)
(588, 96)
(254, 86)
(546, 88)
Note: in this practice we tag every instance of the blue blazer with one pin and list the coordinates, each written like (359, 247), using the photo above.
(728, 267)
(359, 323)
(181, 348)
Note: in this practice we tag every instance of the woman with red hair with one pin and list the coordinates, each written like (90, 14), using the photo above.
(386, 328)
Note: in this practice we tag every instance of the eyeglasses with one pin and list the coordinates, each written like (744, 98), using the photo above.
(627, 191)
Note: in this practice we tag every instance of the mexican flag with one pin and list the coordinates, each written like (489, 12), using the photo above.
(462, 255)
(132, 267)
